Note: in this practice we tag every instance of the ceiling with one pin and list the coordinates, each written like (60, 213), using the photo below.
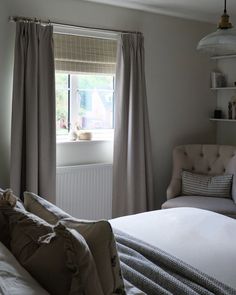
(202, 10)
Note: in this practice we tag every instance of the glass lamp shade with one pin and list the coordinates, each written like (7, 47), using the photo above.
(221, 42)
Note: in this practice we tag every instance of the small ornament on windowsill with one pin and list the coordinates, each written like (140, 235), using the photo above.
(73, 135)
(78, 134)
(85, 135)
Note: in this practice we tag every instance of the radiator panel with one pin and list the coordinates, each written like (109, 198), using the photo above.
(85, 191)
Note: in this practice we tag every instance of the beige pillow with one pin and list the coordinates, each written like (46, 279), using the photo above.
(59, 259)
(100, 239)
(98, 236)
(42, 208)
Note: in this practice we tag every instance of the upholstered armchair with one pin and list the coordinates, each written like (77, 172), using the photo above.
(208, 160)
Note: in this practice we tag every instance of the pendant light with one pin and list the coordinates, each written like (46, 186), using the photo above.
(221, 42)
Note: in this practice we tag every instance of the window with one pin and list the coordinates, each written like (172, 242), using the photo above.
(85, 74)
(84, 101)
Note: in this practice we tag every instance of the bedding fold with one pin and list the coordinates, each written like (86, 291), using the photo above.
(155, 272)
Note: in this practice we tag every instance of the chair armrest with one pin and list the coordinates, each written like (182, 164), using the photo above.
(173, 189)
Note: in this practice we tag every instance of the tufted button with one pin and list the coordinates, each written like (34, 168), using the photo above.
(209, 168)
(185, 154)
(224, 170)
(218, 155)
(201, 155)
(233, 155)
(193, 168)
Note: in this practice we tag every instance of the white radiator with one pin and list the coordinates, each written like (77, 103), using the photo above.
(85, 191)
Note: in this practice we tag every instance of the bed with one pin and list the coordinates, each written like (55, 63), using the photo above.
(173, 251)
(202, 239)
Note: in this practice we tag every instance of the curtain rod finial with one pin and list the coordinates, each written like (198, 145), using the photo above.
(11, 19)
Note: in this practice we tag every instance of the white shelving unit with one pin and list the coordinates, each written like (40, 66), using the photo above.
(223, 120)
(227, 65)
(224, 56)
(224, 88)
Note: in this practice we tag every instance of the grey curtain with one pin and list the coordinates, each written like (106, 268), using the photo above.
(33, 136)
(132, 167)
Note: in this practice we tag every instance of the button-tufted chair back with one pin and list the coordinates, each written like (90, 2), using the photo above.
(203, 159)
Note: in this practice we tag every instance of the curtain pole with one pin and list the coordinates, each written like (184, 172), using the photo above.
(49, 22)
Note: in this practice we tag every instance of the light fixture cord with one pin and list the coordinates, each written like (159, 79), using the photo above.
(224, 23)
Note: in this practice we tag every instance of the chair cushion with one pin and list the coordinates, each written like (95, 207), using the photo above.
(219, 205)
(218, 186)
(202, 159)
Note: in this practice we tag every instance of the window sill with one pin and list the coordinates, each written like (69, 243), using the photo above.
(62, 141)
(96, 137)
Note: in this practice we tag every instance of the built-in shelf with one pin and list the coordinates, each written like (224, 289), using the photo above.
(223, 94)
(223, 120)
(224, 88)
(224, 56)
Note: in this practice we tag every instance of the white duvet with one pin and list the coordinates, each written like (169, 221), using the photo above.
(14, 279)
(203, 239)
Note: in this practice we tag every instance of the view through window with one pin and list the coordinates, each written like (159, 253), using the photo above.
(84, 101)
(85, 69)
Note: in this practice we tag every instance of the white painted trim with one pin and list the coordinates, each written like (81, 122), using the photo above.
(63, 29)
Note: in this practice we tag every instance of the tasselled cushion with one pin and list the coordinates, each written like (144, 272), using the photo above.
(97, 234)
(59, 259)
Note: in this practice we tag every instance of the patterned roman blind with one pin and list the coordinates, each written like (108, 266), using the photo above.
(82, 54)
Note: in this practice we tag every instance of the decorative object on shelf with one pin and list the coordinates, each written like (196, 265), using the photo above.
(230, 110)
(218, 114)
(234, 110)
(233, 101)
(218, 80)
(221, 42)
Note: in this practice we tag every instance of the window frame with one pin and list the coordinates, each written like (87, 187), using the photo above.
(109, 136)
(97, 134)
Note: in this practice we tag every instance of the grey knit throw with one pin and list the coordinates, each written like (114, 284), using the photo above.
(155, 272)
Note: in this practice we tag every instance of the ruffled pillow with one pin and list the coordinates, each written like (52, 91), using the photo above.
(7, 199)
(59, 259)
(97, 234)
(42, 208)
(100, 239)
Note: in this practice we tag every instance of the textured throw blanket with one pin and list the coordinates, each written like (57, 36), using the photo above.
(155, 272)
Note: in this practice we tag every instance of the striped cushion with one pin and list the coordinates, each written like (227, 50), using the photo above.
(206, 185)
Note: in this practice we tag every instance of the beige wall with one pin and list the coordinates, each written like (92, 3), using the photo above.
(177, 79)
